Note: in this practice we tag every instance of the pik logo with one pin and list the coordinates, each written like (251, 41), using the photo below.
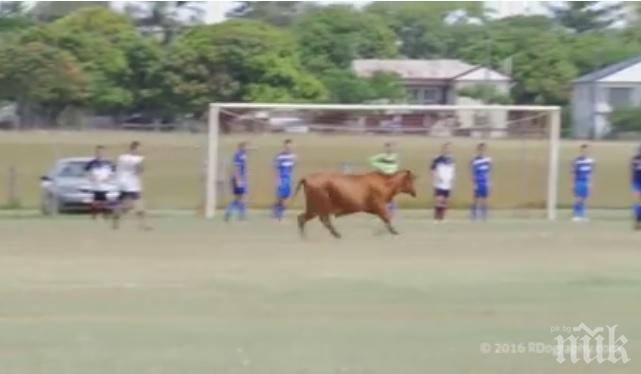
(588, 345)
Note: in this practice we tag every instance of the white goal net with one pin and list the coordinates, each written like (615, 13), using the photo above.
(523, 142)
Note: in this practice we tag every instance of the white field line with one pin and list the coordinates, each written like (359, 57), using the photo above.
(93, 286)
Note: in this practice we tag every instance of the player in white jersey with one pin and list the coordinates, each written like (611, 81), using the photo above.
(129, 168)
(443, 172)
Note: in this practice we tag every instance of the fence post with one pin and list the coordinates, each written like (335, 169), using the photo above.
(13, 200)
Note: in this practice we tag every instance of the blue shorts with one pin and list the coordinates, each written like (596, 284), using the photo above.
(442, 192)
(481, 190)
(237, 189)
(284, 190)
(581, 190)
(636, 186)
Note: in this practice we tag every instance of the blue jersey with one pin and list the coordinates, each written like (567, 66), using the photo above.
(99, 164)
(481, 167)
(582, 169)
(284, 164)
(636, 170)
(240, 163)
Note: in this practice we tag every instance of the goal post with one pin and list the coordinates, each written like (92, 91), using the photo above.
(552, 132)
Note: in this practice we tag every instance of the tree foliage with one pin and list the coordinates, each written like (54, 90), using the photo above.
(42, 79)
(345, 87)
(626, 119)
(98, 39)
(487, 94)
(238, 60)
(159, 59)
(582, 16)
(332, 37)
(428, 29)
(165, 19)
(277, 13)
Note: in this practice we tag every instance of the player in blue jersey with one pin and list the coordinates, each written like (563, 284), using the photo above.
(635, 174)
(582, 169)
(238, 183)
(284, 167)
(480, 168)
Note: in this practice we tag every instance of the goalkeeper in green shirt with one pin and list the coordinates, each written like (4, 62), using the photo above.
(386, 163)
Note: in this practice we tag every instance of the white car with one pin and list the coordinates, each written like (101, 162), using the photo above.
(66, 187)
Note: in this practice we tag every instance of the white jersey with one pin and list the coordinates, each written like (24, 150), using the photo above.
(444, 171)
(127, 172)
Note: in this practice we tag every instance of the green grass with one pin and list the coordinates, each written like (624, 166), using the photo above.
(174, 177)
(206, 297)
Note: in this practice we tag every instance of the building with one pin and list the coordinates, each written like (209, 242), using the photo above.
(438, 82)
(596, 94)
(434, 81)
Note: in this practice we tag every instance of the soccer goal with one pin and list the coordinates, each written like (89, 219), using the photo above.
(523, 142)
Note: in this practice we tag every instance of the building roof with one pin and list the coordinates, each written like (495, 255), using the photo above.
(428, 70)
(624, 71)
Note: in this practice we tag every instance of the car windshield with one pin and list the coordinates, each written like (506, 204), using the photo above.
(75, 169)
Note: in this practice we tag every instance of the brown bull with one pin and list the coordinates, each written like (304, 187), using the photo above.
(330, 193)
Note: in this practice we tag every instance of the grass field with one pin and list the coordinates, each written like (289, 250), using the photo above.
(205, 297)
(174, 177)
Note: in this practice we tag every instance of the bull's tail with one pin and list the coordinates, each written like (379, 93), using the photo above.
(301, 182)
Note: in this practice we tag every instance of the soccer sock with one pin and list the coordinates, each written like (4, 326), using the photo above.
(483, 211)
(637, 212)
(474, 211)
(242, 207)
(230, 209)
(439, 212)
(577, 209)
(582, 209)
(391, 208)
(279, 210)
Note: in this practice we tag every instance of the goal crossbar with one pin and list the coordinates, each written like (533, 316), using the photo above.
(213, 127)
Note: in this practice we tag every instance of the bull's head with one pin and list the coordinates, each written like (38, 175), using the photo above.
(407, 183)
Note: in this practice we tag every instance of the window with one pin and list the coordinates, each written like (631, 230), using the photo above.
(74, 169)
(431, 95)
(413, 95)
(620, 96)
(425, 95)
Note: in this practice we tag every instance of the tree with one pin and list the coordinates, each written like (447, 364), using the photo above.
(238, 60)
(100, 40)
(345, 87)
(582, 16)
(277, 13)
(541, 65)
(626, 119)
(591, 51)
(428, 29)
(543, 72)
(42, 79)
(13, 16)
(332, 37)
(165, 19)
(48, 11)
(488, 94)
